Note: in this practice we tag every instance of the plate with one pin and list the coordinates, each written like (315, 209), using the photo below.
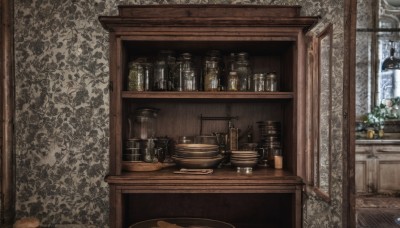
(197, 163)
(247, 152)
(197, 154)
(244, 159)
(139, 166)
(181, 223)
(244, 163)
(196, 146)
(245, 155)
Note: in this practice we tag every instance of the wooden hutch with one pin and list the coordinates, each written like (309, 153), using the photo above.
(274, 38)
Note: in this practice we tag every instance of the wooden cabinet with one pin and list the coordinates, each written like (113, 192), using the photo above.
(274, 43)
(377, 168)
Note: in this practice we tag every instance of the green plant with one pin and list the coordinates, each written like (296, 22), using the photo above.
(388, 109)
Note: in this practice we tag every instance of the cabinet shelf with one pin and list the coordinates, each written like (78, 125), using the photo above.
(222, 180)
(208, 95)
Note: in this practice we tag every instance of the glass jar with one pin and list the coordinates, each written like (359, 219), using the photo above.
(259, 82)
(233, 81)
(271, 82)
(211, 74)
(231, 62)
(213, 65)
(178, 75)
(188, 73)
(244, 72)
(163, 68)
(136, 76)
(171, 63)
(160, 76)
(147, 76)
(142, 123)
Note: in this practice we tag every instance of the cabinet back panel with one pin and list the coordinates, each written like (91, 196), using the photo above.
(241, 210)
(178, 119)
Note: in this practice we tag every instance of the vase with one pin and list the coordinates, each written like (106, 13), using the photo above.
(370, 133)
(381, 132)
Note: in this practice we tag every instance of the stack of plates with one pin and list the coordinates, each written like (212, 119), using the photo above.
(244, 159)
(194, 156)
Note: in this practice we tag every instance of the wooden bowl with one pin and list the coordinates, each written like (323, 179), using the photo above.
(139, 166)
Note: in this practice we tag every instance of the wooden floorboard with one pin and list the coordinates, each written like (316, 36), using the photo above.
(378, 218)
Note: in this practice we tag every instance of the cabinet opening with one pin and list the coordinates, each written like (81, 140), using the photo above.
(264, 56)
(254, 210)
(183, 118)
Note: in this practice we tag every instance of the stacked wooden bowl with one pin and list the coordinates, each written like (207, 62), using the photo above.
(195, 156)
(244, 158)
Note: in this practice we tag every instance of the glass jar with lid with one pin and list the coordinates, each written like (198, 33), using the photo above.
(142, 123)
(233, 81)
(136, 76)
(139, 77)
(259, 82)
(271, 82)
(211, 74)
(188, 73)
(163, 71)
(244, 72)
(211, 77)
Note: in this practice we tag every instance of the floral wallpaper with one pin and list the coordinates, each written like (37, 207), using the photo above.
(364, 88)
(62, 105)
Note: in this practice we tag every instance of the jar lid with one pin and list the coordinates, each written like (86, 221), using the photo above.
(272, 75)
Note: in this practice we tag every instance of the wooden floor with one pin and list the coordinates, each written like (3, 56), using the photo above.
(378, 212)
(378, 218)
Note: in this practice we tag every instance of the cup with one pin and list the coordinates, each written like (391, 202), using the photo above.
(278, 158)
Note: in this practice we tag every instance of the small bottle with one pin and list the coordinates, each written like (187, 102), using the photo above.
(233, 137)
(250, 134)
(148, 79)
(178, 75)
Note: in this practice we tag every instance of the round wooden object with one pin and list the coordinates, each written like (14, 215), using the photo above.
(27, 223)
(138, 166)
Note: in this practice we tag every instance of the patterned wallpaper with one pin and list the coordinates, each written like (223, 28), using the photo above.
(62, 103)
(364, 85)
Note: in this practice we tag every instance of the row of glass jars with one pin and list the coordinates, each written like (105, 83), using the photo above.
(170, 74)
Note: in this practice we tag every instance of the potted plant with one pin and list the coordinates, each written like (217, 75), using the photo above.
(388, 109)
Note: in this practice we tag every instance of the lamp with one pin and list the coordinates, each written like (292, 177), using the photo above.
(391, 62)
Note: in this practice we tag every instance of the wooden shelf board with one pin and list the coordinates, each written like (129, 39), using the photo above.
(207, 95)
(220, 179)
